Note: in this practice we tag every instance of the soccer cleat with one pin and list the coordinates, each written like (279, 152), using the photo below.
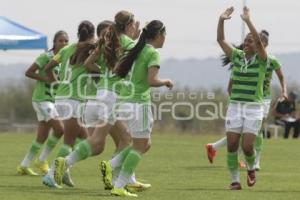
(106, 172)
(137, 187)
(251, 179)
(59, 169)
(235, 186)
(50, 182)
(66, 179)
(26, 171)
(242, 164)
(211, 153)
(121, 192)
(42, 166)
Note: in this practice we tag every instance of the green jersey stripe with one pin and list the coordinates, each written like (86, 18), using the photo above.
(241, 91)
(251, 74)
(242, 99)
(249, 83)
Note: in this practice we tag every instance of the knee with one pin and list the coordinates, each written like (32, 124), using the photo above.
(232, 147)
(248, 149)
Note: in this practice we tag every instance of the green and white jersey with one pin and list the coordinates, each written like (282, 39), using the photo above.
(109, 81)
(273, 64)
(72, 77)
(247, 78)
(136, 88)
(42, 90)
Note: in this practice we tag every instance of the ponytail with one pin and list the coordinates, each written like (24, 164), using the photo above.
(125, 64)
(86, 31)
(152, 29)
(110, 45)
(226, 60)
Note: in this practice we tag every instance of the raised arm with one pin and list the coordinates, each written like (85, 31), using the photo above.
(226, 47)
(282, 83)
(259, 46)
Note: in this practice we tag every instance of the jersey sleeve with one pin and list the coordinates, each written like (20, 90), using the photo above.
(154, 60)
(42, 60)
(275, 64)
(236, 54)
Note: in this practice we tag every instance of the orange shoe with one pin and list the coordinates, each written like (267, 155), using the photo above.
(243, 165)
(211, 153)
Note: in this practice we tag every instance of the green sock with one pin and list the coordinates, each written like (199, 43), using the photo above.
(118, 159)
(233, 166)
(77, 141)
(83, 150)
(33, 151)
(259, 142)
(64, 150)
(52, 141)
(250, 161)
(50, 144)
(130, 163)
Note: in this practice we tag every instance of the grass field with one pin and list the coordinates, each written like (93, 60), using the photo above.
(176, 166)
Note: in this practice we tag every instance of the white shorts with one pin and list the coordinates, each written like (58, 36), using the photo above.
(105, 103)
(90, 114)
(266, 105)
(138, 118)
(69, 108)
(244, 118)
(45, 110)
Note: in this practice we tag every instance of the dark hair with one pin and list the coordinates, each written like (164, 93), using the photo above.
(264, 35)
(152, 29)
(57, 35)
(226, 60)
(110, 45)
(103, 25)
(86, 32)
(122, 19)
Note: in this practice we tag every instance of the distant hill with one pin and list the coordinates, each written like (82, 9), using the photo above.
(209, 73)
(193, 73)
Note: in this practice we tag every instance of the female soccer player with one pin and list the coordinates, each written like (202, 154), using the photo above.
(71, 93)
(273, 65)
(43, 104)
(140, 67)
(245, 111)
(111, 46)
(91, 108)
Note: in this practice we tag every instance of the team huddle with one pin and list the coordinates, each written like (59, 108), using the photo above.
(102, 86)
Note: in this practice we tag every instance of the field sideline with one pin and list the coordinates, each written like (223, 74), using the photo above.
(176, 166)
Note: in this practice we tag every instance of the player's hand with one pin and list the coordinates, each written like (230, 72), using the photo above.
(246, 14)
(169, 84)
(227, 14)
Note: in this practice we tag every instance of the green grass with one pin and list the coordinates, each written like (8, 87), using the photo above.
(176, 166)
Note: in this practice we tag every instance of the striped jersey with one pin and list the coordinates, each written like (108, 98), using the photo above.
(247, 77)
(273, 65)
